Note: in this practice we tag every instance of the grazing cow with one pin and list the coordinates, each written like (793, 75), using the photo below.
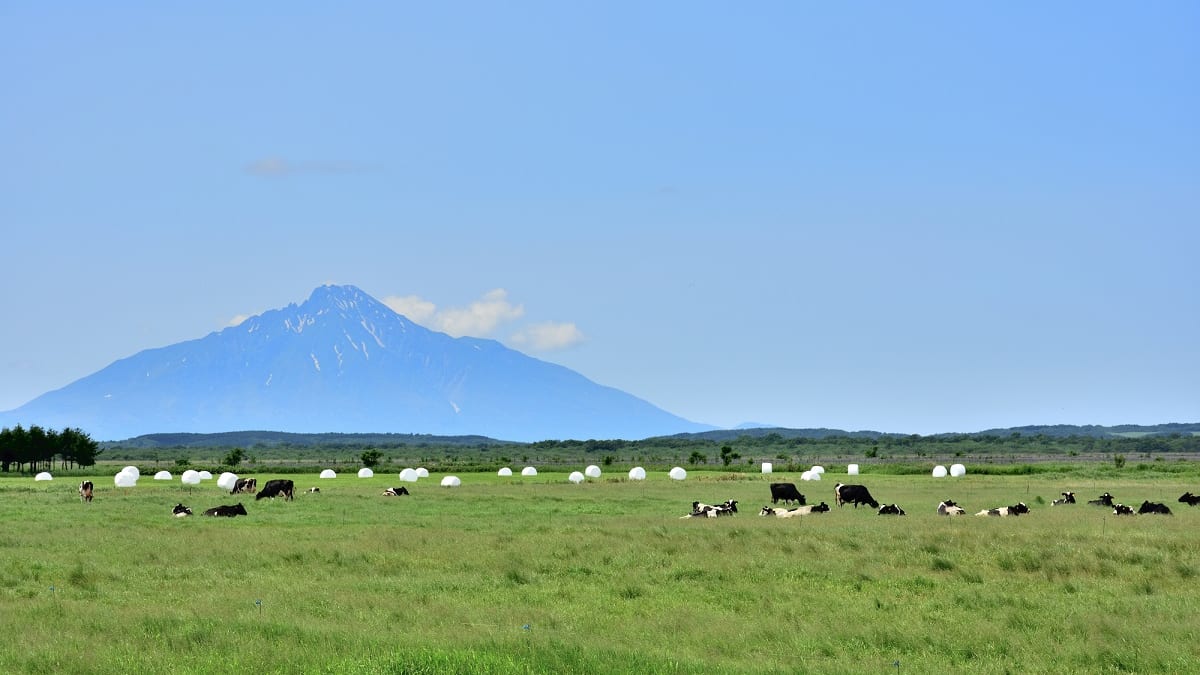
(1067, 498)
(1190, 499)
(85, 491)
(314, 490)
(786, 492)
(393, 492)
(855, 494)
(1104, 500)
(1154, 507)
(1122, 510)
(949, 508)
(181, 511)
(1015, 510)
(227, 511)
(890, 510)
(274, 488)
(245, 485)
(798, 511)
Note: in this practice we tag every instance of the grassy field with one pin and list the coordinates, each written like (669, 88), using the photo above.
(533, 575)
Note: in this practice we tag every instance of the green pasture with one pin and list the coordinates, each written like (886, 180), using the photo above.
(537, 575)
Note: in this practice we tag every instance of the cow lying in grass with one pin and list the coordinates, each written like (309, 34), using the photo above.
(227, 511)
(1154, 507)
(1104, 500)
(792, 513)
(394, 492)
(1122, 510)
(1015, 510)
(949, 508)
(181, 511)
(1190, 499)
(890, 510)
(702, 510)
(1067, 498)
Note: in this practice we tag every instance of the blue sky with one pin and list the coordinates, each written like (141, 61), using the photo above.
(910, 217)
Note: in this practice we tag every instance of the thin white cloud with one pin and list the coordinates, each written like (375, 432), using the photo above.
(481, 317)
(548, 336)
(416, 308)
(237, 320)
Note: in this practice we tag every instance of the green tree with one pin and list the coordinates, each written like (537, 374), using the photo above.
(371, 457)
(728, 455)
(698, 458)
(234, 457)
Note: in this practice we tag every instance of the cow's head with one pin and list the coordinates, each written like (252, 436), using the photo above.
(820, 507)
(1019, 507)
(1187, 497)
(767, 511)
(239, 509)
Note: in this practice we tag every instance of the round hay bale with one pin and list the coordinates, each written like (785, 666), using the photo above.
(162, 475)
(592, 471)
(190, 477)
(678, 473)
(328, 473)
(958, 470)
(852, 469)
(45, 475)
(939, 471)
(807, 475)
(767, 467)
(204, 475)
(366, 473)
(575, 477)
(133, 470)
(529, 471)
(409, 475)
(637, 473)
(818, 469)
(125, 479)
(451, 481)
(504, 472)
(422, 472)
(227, 480)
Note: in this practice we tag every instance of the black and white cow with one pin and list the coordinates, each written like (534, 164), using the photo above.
(853, 494)
(792, 513)
(1122, 510)
(85, 491)
(890, 510)
(949, 508)
(787, 493)
(1190, 499)
(394, 492)
(1067, 498)
(702, 510)
(227, 511)
(1154, 507)
(1014, 510)
(279, 486)
(314, 490)
(181, 511)
(245, 485)
(1104, 500)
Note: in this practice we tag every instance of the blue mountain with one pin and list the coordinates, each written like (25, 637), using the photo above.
(344, 362)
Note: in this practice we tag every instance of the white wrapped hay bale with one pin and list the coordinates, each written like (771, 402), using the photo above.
(592, 471)
(45, 475)
(162, 475)
(807, 475)
(939, 471)
(132, 470)
(328, 473)
(818, 470)
(204, 475)
(504, 472)
(451, 481)
(575, 477)
(529, 471)
(767, 467)
(366, 473)
(637, 473)
(227, 480)
(125, 479)
(190, 477)
(958, 470)
(409, 475)
(852, 469)
(422, 472)
(677, 473)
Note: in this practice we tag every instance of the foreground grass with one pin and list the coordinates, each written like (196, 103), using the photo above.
(538, 575)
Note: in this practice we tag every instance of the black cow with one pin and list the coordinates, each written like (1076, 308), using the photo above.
(246, 485)
(891, 510)
(85, 491)
(181, 511)
(274, 488)
(854, 494)
(393, 492)
(1067, 498)
(1190, 499)
(1122, 510)
(227, 511)
(786, 492)
(1154, 507)
(1104, 500)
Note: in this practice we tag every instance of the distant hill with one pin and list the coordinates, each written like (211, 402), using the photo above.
(343, 362)
(1053, 431)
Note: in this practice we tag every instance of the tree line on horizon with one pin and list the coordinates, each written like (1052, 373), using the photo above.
(36, 448)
